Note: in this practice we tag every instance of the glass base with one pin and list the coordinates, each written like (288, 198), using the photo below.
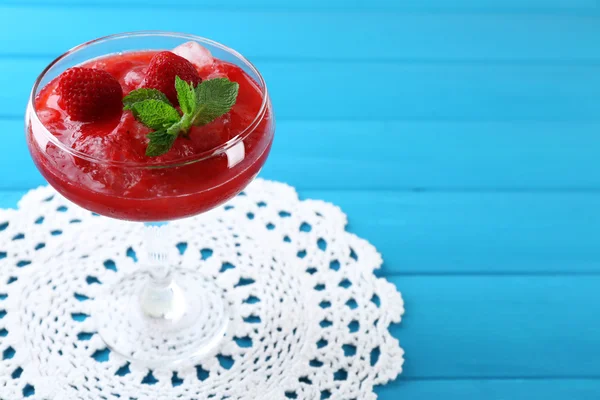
(160, 323)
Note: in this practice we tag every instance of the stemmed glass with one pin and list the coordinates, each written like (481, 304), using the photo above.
(158, 314)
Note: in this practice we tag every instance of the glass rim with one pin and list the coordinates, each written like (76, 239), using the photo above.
(171, 163)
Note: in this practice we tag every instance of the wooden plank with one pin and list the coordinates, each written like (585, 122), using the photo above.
(471, 233)
(409, 91)
(381, 35)
(500, 327)
(489, 389)
(482, 233)
(409, 5)
(436, 155)
(402, 155)
(9, 198)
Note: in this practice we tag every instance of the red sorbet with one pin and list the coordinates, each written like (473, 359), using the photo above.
(115, 178)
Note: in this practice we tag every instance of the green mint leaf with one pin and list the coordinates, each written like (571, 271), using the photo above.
(209, 100)
(160, 143)
(140, 95)
(214, 97)
(185, 95)
(155, 114)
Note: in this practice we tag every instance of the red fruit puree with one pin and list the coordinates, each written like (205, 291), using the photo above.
(116, 179)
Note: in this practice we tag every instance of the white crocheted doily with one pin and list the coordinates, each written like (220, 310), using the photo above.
(310, 319)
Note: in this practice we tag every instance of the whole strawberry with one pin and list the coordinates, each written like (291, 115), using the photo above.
(89, 94)
(163, 69)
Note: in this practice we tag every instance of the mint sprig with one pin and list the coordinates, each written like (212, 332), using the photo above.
(160, 143)
(186, 95)
(155, 114)
(215, 98)
(139, 95)
(199, 105)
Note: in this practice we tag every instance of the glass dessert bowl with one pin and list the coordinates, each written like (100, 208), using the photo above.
(192, 128)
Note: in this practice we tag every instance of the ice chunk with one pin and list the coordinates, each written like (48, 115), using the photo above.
(133, 78)
(198, 55)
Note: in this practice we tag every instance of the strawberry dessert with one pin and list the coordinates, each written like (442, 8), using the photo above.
(151, 135)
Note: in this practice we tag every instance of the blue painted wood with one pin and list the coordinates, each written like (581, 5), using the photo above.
(483, 234)
(402, 155)
(9, 199)
(494, 389)
(412, 91)
(321, 35)
(407, 5)
(500, 327)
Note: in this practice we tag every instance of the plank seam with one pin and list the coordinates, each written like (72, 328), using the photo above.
(555, 119)
(547, 11)
(497, 378)
(425, 61)
(497, 274)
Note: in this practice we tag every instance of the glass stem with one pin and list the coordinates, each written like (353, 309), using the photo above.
(161, 297)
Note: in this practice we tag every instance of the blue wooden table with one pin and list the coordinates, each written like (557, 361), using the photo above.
(461, 137)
